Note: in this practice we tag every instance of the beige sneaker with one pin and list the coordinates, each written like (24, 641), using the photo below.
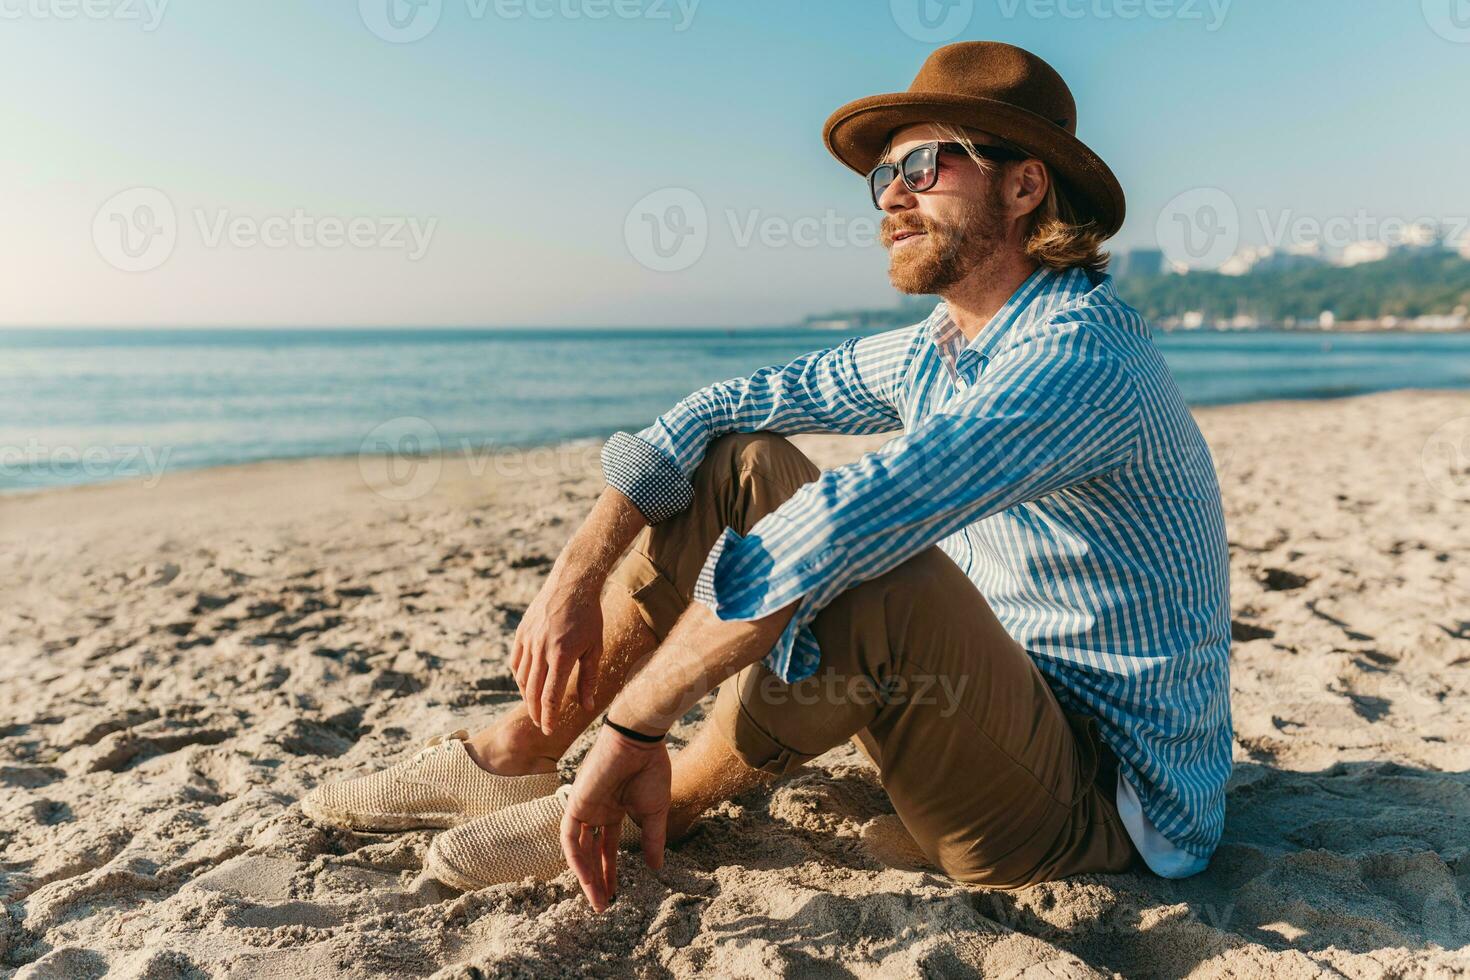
(521, 842)
(439, 786)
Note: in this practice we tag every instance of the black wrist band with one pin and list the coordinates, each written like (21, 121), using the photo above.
(635, 736)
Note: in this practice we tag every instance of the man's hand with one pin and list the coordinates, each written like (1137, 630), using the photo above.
(562, 628)
(620, 776)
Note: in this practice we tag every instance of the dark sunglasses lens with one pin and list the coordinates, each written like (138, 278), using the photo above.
(921, 168)
(880, 178)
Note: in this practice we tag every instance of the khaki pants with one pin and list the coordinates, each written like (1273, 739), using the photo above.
(997, 784)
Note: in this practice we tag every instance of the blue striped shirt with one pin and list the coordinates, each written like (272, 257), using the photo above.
(1053, 459)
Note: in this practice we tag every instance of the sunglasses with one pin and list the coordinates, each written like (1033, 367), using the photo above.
(919, 168)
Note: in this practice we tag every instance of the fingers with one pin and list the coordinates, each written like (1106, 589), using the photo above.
(584, 854)
(517, 653)
(543, 677)
(587, 672)
(551, 692)
(655, 832)
(535, 679)
(523, 673)
(609, 842)
(522, 665)
(577, 859)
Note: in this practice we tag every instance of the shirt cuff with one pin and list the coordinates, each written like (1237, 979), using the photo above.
(796, 654)
(643, 474)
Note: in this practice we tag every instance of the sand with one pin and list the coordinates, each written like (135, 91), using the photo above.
(181, 662)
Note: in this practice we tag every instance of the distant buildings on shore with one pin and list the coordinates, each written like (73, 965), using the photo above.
(1326, 320)
(1426, 239)
(1246, 282)
(1264, 288)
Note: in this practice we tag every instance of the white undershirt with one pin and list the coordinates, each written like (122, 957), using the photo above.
(1163, 857)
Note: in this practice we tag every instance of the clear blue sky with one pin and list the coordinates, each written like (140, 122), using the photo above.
(519, 134)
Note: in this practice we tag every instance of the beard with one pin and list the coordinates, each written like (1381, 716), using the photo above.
(948, 252)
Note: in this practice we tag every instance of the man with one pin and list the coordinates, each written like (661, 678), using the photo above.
(1018, 607)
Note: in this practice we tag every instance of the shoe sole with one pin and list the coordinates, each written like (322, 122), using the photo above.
(435, 867)
(379, 822)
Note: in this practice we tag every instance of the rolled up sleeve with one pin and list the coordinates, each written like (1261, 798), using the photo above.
(853, 388)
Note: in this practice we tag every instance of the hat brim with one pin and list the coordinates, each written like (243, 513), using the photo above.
(857, 133)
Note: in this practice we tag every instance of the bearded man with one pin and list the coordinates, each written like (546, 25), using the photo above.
(1018, 607)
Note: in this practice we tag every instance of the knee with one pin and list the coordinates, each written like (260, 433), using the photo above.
(752, 712)
(740, 459)
(741, 453)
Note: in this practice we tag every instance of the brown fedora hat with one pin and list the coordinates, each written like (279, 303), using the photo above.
(994, 87)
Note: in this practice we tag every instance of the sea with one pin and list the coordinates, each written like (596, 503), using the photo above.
(92, 405)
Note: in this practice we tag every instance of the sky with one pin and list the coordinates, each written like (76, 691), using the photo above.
(645, 162)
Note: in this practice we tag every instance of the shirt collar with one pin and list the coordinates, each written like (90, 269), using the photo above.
(1042, 293)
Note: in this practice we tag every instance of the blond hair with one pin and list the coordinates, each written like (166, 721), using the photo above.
(1056, 237)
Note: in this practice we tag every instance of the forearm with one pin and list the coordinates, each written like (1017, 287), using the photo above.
(592, 552)
(823, 391)
(700, 652)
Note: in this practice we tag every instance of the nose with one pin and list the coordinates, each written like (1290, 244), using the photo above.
(897, 197)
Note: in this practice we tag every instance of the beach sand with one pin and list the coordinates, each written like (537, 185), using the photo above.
(180, 663)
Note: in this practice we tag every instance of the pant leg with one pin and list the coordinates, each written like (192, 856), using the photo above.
(985, 770)
(741, 479)
(995, 782)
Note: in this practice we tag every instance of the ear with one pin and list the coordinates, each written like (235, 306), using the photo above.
(1030, 181)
